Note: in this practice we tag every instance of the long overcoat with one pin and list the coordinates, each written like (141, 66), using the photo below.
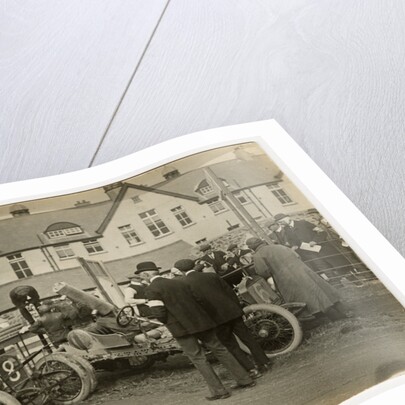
(215, 296)
(295, 281)
(179, 310)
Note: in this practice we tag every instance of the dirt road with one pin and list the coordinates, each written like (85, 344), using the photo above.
(334, 362)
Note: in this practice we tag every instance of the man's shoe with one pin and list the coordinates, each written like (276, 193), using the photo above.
(215, 397)
(255, 373)
(264, 368)
(241, 386)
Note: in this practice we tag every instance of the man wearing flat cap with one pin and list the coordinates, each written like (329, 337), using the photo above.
(173, 303)
(222, 304)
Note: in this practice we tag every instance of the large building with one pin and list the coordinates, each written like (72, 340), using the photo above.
(163, 223)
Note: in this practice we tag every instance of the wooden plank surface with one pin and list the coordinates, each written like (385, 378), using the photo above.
(330, 72)
(64, 66)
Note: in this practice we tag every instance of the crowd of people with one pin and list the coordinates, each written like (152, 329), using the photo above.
(201, 309)
(196, 303)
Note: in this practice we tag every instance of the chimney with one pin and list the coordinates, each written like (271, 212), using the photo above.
(112, 190)
(19, 210)
(170, 172)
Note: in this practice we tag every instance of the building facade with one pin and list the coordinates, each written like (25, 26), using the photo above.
(138, 221)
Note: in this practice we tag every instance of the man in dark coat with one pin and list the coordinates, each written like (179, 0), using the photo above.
(337, 259)
(296, 233)
(216, 258)
(239, 257)
(222, 304)
(172, 303)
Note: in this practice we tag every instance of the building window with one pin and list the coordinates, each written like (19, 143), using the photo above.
(154, 223)
(19, 265)
(217, 207)
(64, 251)
(73, 231)
(201, 241)
(206, 189)
(242, 198)
(60, 233)
(93, 246)
(129, 234)
(280, 194)
(136, 199)
(181, 216)
(56, 234)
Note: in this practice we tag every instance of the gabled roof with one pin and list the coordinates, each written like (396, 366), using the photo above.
(26, 232)
(239, 174)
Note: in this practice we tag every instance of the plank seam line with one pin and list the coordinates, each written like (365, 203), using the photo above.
(128, 84)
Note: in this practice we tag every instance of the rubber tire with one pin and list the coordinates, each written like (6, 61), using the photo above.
(7, 399)
(87, 367)
(293, 321)
(78, 369)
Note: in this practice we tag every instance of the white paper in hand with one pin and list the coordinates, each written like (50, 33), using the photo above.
(307, 246)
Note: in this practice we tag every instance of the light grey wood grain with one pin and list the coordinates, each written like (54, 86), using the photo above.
(330, 72)
(63, 68)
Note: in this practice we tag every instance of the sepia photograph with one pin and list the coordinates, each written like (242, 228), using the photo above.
(209, 278)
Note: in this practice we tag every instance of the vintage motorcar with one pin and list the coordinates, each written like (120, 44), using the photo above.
(67, 375)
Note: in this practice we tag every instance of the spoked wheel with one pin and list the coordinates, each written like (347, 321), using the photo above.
(276, 329)
(125, 316)
(32, 396)
(65, 380)
(88, 369)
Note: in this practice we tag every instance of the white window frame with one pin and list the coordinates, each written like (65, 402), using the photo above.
(61, 233)
(136, 199)
(181, 215)
(24, 270)
(154, 223)
(241, 196)
(129, 234)
(280, 194)
(206, 189)
(64, 251)
(91, 244)
(73, 231)
(214, 205)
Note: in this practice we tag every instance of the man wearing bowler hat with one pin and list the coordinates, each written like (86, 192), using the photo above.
(173, 304)
(222, 304)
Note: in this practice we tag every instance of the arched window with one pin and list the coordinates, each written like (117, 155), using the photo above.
(62, 229)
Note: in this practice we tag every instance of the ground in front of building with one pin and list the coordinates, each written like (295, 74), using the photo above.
(334, 362)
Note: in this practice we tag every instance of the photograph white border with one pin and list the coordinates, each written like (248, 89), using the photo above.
(370, 245)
